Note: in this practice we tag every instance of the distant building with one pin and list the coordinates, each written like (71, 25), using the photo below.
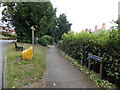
(4, 29)
(102, 28)
(86, 30)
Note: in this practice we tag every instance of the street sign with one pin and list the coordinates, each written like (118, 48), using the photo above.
(95, 57)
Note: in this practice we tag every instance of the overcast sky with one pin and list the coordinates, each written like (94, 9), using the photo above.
(87, 13)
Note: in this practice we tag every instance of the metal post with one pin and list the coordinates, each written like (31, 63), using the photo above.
(101, 69)
(81, 62)
(89, 63)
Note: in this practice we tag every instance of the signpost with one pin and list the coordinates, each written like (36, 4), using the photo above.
(33, 38)
(90, 56)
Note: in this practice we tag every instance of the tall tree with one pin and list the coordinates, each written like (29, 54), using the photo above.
(61, 26)
(25, 15)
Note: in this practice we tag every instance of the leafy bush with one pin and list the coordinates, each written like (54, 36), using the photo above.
(49, 39)
(106, 45)
(43, 41)
(23, 39)
(46, 40)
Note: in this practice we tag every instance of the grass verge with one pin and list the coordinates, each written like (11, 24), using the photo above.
(91, 74)
(21, 73)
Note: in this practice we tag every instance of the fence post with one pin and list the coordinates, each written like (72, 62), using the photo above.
(101, 69)
(81, 62)
(89, 63)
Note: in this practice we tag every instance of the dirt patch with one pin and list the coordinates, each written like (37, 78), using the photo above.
(18, 59)
(34, 85)
(40, 84)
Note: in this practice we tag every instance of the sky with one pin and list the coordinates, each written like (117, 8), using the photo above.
(1, 8)
(87, 13)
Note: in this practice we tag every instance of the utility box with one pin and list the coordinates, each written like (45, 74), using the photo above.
(27, 54)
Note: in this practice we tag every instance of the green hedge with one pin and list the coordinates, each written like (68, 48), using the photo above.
(8, 35)
(106, 45)
(46, 40)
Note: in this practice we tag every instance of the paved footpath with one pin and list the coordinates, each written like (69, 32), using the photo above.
(60, 73)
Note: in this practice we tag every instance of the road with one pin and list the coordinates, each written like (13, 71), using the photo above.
(3, 49)
(60, 73)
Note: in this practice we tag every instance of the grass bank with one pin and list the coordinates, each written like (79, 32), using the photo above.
(21, 73)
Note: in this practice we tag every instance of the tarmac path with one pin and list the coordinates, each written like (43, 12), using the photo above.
(60, 73)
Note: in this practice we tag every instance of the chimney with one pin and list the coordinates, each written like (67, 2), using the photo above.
(86, 30)
(96, 27)
(103, 26)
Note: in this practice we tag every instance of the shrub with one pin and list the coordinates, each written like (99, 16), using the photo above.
(106, 45)
(8, 35)
(46, 40)
(43, 41)
(49, 39)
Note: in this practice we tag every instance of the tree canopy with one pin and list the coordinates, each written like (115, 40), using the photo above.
(61, 26)
(25, 15)
(41, 15)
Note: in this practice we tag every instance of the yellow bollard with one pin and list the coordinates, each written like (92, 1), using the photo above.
(27, 54)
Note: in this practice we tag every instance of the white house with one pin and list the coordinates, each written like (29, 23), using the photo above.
(4, 29)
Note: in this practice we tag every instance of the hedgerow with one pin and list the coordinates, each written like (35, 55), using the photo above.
(106, 45)
(46, 40)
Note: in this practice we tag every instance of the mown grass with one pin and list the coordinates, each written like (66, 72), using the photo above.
(21, 73)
